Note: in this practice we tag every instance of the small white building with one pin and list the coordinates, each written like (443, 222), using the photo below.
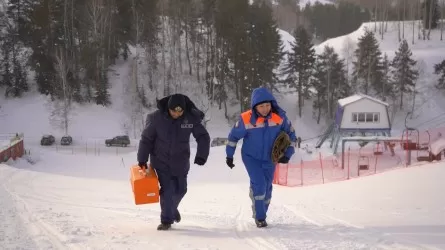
(362, 113)
(358, 115)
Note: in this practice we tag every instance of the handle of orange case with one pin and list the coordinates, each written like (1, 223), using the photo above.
(144, 173)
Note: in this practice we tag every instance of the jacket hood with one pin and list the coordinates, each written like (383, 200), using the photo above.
(260, 95)
(190, 107)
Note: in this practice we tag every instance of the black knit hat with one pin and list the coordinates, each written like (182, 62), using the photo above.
(176, 102)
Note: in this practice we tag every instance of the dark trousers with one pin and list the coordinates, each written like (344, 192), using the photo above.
(173, 189)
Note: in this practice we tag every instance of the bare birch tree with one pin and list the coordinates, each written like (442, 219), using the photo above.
(60, 113)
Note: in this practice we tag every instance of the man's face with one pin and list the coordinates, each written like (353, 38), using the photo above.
(176, 113)
(264, 108)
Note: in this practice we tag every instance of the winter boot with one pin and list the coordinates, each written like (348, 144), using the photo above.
(177, 216)
(164, 226)
(261, 223)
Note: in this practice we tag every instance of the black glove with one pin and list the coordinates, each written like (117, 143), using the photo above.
(142, 165)
(284, 160)
(229, 162)
(200, 161)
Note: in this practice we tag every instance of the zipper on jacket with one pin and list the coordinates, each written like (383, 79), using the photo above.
(266, 126)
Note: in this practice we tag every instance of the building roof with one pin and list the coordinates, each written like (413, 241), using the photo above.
(351, 99)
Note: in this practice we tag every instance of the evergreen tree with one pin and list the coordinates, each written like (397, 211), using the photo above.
(230, 23)
(330, 83)
(102, 95)
(386, 89)
(265, 46)
(367, 67)
(16, 28)
(300, 64)
(404, 72)
(440, 69)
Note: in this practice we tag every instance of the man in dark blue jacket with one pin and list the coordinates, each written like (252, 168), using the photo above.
(166, 138)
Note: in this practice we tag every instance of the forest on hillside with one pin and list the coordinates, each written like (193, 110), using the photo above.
(224, 48)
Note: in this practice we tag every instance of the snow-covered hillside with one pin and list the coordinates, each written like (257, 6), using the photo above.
(81, 201)
(430, 103)
(30, 114)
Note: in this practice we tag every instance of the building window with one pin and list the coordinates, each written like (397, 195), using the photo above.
(368, 117)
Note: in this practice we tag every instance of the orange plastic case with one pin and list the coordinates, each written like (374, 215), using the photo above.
(144, 185)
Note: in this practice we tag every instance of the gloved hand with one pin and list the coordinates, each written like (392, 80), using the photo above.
(284, 160)
(142, 165)
(229, 162)
(200, 161)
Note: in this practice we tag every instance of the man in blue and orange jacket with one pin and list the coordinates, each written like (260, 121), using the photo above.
(259, 127)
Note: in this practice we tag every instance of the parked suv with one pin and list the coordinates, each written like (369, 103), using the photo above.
(66, 140)
(121, 140)
(47, 140)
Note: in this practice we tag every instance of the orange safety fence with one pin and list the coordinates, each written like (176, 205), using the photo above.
(358, 162)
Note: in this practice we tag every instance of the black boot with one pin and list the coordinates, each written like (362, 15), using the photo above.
(261, 223)
(177, 216)
(164, 226)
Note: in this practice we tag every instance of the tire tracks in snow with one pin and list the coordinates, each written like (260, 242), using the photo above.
(353, 232)
(34, 224)
(243, 231)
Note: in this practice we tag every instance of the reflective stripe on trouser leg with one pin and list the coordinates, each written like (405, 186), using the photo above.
(255, 200)
(253, 203)
(257, 186)
(258, 204)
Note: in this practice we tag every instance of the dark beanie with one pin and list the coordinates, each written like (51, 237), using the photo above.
(176, 100)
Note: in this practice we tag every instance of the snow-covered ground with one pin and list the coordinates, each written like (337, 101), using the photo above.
(85, 202)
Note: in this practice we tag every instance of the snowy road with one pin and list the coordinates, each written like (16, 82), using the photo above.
(51, 211)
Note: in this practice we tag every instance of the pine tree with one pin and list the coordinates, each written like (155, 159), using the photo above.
(16, 12)
(300, 64)
(440, 69)
(102, 95)
(367, 67)
(230, 25)
(318, 83)
(404, 72)
(265, 46)
(386, 87)
(330, 83)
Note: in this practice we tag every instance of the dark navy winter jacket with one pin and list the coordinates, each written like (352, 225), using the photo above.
(167, 141)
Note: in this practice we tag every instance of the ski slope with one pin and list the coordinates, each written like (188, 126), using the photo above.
(66, 201)
(428, 108)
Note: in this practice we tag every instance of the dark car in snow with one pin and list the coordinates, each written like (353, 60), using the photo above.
(121, 140)
(66, 140)
(47, 140)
